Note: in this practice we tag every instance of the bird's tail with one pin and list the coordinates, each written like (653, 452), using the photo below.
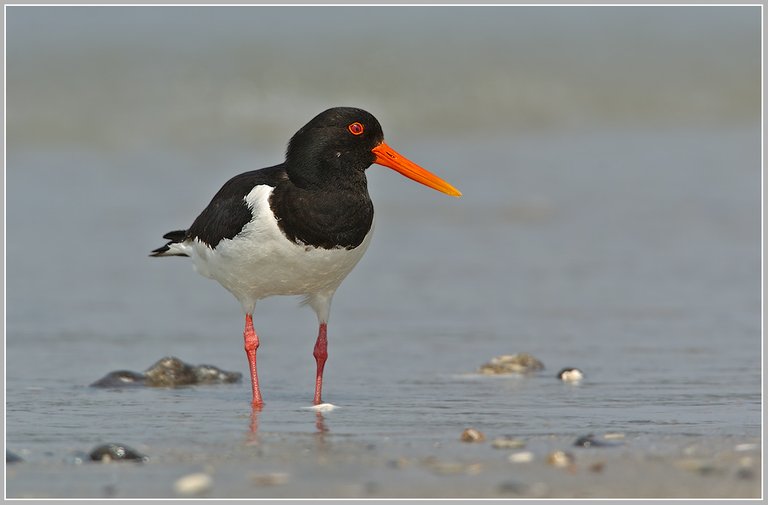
(174, 247)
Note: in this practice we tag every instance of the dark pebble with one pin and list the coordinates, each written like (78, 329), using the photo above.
(168, 372)
(116, 452)
(120, 379)
(12, 458)
(591, 441)
(745, 474)
(209, 374)
(521, 363)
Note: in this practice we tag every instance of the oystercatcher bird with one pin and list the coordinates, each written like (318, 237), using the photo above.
(297, 228)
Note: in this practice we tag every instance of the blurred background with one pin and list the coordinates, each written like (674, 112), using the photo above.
(138, 77)
(609, 159)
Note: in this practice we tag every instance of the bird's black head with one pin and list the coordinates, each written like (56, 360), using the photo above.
(334, 149)
(336, 145)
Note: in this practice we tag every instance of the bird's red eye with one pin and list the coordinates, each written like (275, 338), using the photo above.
(355, 128)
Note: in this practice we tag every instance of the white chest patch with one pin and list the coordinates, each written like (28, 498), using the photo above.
(260, 261)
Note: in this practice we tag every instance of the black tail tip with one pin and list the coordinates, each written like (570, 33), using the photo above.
(176, 235)
(173, 236)
(163, 251)
(159, 251)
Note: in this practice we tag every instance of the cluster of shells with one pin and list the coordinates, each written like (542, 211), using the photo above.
(525, 364)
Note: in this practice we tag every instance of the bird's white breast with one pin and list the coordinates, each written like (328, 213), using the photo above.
(260, 261)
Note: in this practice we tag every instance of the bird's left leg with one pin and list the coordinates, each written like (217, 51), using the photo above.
(320, 354)
(251, 345)
(321, 303)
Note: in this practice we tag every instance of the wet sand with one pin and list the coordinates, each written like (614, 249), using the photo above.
(299, 465)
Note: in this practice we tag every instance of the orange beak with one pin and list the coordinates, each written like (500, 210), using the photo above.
(390, 158)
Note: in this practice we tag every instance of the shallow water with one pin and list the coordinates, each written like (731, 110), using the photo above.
(645, 276)
(627, 250)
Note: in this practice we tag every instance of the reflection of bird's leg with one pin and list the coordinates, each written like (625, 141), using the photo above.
(320, 423)
(253, 428)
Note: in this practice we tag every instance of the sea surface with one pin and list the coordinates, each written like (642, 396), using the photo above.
(610, 221)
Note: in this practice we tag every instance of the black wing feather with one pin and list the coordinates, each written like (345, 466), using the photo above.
(227, 213)
(173, 236)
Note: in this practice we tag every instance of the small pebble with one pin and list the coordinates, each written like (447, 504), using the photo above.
(597, 467)
(585, 441)
(472, 435)
(193, 484)
(508, 443)
(270, 479)
(560, 459)
(571, 375)
(521, 363)
(116, 452)
(521, 457)
(591, 441)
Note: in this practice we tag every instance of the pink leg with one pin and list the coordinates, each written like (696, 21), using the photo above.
(320, 354)
(251, 344)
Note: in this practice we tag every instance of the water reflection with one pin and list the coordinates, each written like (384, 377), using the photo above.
(253, 427)
(253, 438)
(322, 429)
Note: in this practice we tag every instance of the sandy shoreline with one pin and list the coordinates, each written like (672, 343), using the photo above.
(284, 465)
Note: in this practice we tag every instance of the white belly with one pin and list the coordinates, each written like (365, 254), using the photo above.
(260, 261)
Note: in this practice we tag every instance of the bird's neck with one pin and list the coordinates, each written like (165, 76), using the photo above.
(313, 171)
(338, 216)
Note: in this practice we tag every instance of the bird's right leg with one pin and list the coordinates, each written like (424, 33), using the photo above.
(251, 344)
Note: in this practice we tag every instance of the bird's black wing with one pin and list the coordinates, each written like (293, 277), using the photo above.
(227, 213)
